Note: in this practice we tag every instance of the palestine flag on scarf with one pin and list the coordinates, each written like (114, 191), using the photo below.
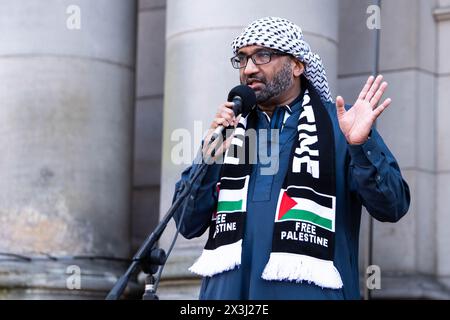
(303, 238)
(231, 198)
(305, 204)
(304, 215)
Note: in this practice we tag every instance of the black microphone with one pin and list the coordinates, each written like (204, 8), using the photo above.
(244, 100)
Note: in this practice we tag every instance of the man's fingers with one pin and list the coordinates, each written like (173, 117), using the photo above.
(228, 108)
(224, 116)
(373, 88)
(340, 105)
(378, 95)
(220, 122)
(378, 110)
(366, 88)
(227, 116)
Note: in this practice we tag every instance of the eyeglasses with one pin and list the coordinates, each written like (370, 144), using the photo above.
(240, 60)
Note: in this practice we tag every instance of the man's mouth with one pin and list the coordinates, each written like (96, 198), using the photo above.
(254, 83)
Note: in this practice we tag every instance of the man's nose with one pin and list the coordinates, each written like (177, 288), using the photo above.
(250, 68)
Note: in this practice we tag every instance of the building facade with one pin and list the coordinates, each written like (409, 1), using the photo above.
(93, 94)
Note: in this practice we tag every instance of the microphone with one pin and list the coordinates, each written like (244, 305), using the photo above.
(244, 99)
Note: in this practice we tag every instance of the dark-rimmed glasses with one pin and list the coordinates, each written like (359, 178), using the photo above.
(240, 60)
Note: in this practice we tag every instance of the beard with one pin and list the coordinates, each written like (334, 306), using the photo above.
(281, 81)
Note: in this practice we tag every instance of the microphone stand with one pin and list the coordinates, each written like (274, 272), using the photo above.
(148, 257)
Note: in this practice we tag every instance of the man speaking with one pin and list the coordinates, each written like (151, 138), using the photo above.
(293, 233)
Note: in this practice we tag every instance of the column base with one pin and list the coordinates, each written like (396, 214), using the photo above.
(411, 286)
(65, 279)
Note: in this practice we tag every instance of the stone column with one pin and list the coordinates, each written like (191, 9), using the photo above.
(442, 16)
(198, 78)
(148, 115)
(66, 122)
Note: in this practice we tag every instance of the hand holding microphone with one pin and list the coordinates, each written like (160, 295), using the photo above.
(241, 100)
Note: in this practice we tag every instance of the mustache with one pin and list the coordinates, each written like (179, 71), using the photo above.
(255, 78)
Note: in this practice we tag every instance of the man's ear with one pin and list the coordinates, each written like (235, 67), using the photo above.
(298, 68)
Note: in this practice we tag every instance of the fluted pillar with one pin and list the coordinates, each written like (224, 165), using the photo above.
(198, 76)
(66, 95)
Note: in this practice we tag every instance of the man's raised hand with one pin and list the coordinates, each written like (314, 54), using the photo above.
(357, 122)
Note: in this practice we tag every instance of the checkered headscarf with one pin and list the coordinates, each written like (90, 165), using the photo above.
(285, 36)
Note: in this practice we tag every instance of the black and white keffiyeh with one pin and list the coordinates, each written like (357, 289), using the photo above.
(283, 35)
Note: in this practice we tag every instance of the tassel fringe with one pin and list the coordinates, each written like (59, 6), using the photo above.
(212, 262)
(298, 268)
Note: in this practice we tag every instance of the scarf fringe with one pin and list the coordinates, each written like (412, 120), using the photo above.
(223, 258)
(298, 268)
